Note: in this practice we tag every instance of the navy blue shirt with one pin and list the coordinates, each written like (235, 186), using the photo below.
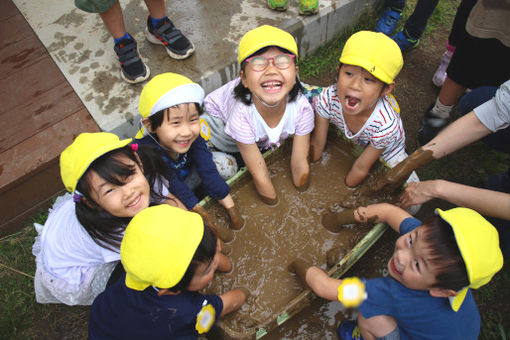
(198, 156)
(123, 313)
(419, 315)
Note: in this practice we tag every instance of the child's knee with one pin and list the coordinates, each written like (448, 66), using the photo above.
(377, 326)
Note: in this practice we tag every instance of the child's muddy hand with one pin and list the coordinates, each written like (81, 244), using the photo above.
(299, 267)
(334, 255)
(224, 264)
(334, 221)
(225, 234)
(304, 182)
(245, 291)
(269, 200)
(226, 249)
(236, 220)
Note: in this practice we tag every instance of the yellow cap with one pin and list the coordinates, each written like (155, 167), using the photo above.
(478, 242)
(166, 90)
(85, 149)
(376, 53)
(264, 36)
(158, 246)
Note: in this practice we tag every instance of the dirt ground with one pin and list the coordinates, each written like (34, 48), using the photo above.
(414, 92)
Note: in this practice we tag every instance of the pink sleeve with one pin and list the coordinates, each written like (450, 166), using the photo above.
(240, 126)
(305, 117)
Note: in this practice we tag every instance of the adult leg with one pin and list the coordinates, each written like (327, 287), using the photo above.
(417, 22)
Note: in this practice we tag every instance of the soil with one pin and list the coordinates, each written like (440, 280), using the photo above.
(415, 93)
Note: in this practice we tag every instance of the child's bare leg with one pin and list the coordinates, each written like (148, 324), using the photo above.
(376, 326)
(114, 21)
(156, 8)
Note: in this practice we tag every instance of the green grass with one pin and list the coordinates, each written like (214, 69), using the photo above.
(20, 311)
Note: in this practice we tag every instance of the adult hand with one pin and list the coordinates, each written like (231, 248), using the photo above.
(417, 193)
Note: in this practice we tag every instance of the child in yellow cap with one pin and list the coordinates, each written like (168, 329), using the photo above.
(169, 255)
(361, 106)
(263, 107)
(170, 106)
(78, 247)
(426, 295)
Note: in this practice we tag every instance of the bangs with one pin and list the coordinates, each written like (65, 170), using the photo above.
(110, 168)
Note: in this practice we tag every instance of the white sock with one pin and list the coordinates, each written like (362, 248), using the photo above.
(440, 110)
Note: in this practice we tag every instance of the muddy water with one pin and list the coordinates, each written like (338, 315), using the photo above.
(274, 235)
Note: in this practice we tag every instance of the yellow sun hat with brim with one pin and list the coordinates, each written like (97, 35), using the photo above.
(158, 246)
(478, 242)
(166, 90)
(375, 52)
(85, 149)
(264, 36)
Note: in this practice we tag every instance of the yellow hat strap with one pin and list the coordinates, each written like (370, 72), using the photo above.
(187, 93)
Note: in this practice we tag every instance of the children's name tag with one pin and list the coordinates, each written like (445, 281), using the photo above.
(393, 103)
(205, 318)
(351, 292)
(205, 131)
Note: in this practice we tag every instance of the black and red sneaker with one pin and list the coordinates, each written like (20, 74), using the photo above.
(132, 68)
(165, 33)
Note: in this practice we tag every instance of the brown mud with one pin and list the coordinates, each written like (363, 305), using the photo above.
(273, 236)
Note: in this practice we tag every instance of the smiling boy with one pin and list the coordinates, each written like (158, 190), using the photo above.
(360, 104)
(426, 295)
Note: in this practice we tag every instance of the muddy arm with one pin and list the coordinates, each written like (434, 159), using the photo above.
(318, 280)
(460, 133)
(486, 202)
(257, 167)
(362, 166)
(299, 161)
(236, 220)
(319, 137)
(226, 235)
(374, 213)
(233, 300)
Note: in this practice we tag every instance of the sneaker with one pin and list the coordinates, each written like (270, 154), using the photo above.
(308, 7)
(404, 41)
(440, 74)
(388, 21)
(349, 330)
(431, 125)
(165, 33)
(277, 5)
(132, 68)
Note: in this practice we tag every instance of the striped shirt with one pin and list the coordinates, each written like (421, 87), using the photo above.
(382, 130)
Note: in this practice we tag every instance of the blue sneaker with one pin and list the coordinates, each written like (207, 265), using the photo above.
(349, 330)
(404, 41)
(388, 21)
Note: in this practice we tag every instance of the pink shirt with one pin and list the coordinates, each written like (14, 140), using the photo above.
(244, 123)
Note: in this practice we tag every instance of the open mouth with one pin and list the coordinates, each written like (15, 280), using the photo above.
(393, 267)
(272, 86)
(135, 202)
(183, 143)
(352, 103)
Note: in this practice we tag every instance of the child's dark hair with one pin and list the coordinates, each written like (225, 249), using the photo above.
(107, 230)
(204, 254)
(444, 254)
(243, 94)
(157, 118)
